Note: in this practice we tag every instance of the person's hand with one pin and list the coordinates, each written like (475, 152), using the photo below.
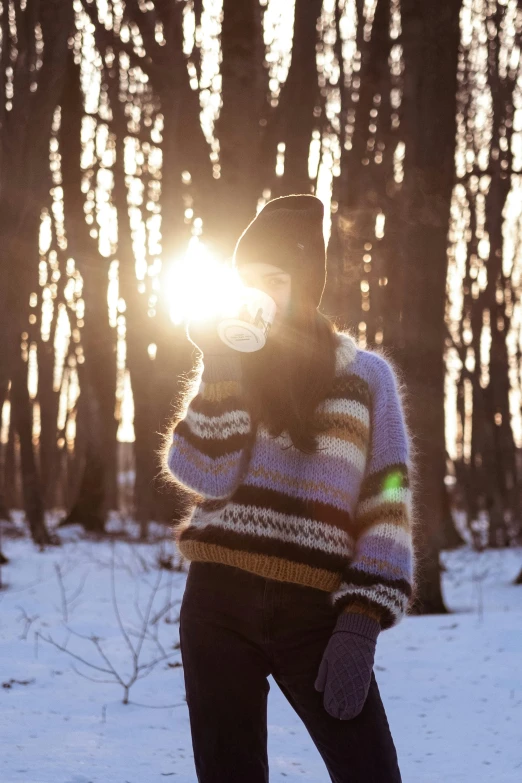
(347, 664)
(204, 336)
(220, 361)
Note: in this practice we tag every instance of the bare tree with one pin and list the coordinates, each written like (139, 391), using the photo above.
(431, 37)
(96, 441)
(33, 53)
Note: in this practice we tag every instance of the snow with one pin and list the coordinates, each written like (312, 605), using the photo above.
(451, 684)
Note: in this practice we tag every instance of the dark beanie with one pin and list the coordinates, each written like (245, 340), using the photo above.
(288, 233)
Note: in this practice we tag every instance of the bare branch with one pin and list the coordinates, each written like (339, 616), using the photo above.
(117, 611)
(78, 657)
(92, 679)
(96, 642)
(28, 621)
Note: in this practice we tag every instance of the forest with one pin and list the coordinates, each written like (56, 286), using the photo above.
(129, 131)
(138, 138)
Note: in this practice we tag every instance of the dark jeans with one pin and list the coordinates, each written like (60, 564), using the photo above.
(236, 628)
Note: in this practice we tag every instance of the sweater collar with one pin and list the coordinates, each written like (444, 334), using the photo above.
(345, 352)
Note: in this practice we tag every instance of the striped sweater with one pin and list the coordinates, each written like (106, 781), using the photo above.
(339, 520)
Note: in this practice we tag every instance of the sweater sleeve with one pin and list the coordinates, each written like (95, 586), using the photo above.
(378, 580)
(208, 443)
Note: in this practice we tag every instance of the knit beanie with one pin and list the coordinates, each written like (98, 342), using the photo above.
(288, 233)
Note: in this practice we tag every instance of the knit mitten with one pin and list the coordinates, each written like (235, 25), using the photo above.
(346, 667)
(220, 362)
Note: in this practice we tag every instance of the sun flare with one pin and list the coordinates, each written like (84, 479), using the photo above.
(200, 286)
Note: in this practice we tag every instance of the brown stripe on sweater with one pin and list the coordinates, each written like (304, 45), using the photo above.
(394, 513)
(345, 427)
(358, 608)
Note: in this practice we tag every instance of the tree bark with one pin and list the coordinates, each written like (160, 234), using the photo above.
(97, 375)
(365, 188)
(24, 139)
(234, 195)
(431, 37)
(22, 412)
(295, 121)
(49, 400)
(89, 509)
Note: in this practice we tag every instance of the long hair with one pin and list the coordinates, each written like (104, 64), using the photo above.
(285, 381)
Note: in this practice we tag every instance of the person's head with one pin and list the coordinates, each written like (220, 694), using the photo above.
(275, 282)
(282, 252)
(286, 236)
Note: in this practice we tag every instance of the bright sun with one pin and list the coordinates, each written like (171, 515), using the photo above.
(200, 286)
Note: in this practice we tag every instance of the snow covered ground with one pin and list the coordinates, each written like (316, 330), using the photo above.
(451, 684)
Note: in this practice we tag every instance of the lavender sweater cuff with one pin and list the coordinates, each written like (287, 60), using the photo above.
(360, 624)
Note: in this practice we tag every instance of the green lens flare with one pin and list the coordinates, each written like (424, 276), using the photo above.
(394, 480)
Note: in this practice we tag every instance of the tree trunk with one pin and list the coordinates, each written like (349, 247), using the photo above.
(22, 412)
(451, 538)
(235, 193)
(296, 120)
(49, 400)
(24, 156)
(364, 189)
(97, 375)
(89, 509)
(431, 37)
(4, 513)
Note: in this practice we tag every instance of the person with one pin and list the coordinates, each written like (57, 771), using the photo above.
(300, 542)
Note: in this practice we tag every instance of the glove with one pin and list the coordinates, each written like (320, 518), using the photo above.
(220, 362)
(204, 335)
(347, 664)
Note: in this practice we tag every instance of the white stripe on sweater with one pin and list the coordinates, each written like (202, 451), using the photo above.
(346, 408)
(380, 594)
(219, 427)
(281, 527)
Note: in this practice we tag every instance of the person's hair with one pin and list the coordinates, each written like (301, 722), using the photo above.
(285, 381)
